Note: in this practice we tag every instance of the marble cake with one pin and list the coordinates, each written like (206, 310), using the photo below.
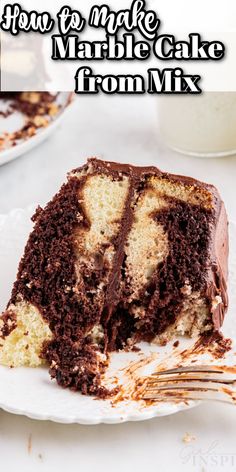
(121, 254)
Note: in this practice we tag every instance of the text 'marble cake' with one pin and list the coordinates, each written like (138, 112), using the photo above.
(121, 254)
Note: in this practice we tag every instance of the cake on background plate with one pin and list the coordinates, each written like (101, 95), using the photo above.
(121, 254)
(38, 109)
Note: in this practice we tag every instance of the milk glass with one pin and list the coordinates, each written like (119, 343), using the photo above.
(201, 125)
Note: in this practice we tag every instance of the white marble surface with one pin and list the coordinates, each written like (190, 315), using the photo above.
(120, 129)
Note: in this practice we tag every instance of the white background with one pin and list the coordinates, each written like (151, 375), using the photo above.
(122, 129)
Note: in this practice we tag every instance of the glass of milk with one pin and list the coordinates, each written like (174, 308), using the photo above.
(199, 125)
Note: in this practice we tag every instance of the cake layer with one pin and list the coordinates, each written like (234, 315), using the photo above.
(120, 254)
(23, 333)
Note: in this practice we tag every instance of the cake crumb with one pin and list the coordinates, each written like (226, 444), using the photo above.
(216, 301)
(186, 289)
(31, 97)
(40, 121)
(29, 446)
(188, 438)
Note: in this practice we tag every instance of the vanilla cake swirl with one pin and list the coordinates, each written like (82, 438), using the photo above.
(121, 254)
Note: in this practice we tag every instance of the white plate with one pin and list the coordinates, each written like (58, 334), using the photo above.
(14, 123)
(31, 392)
